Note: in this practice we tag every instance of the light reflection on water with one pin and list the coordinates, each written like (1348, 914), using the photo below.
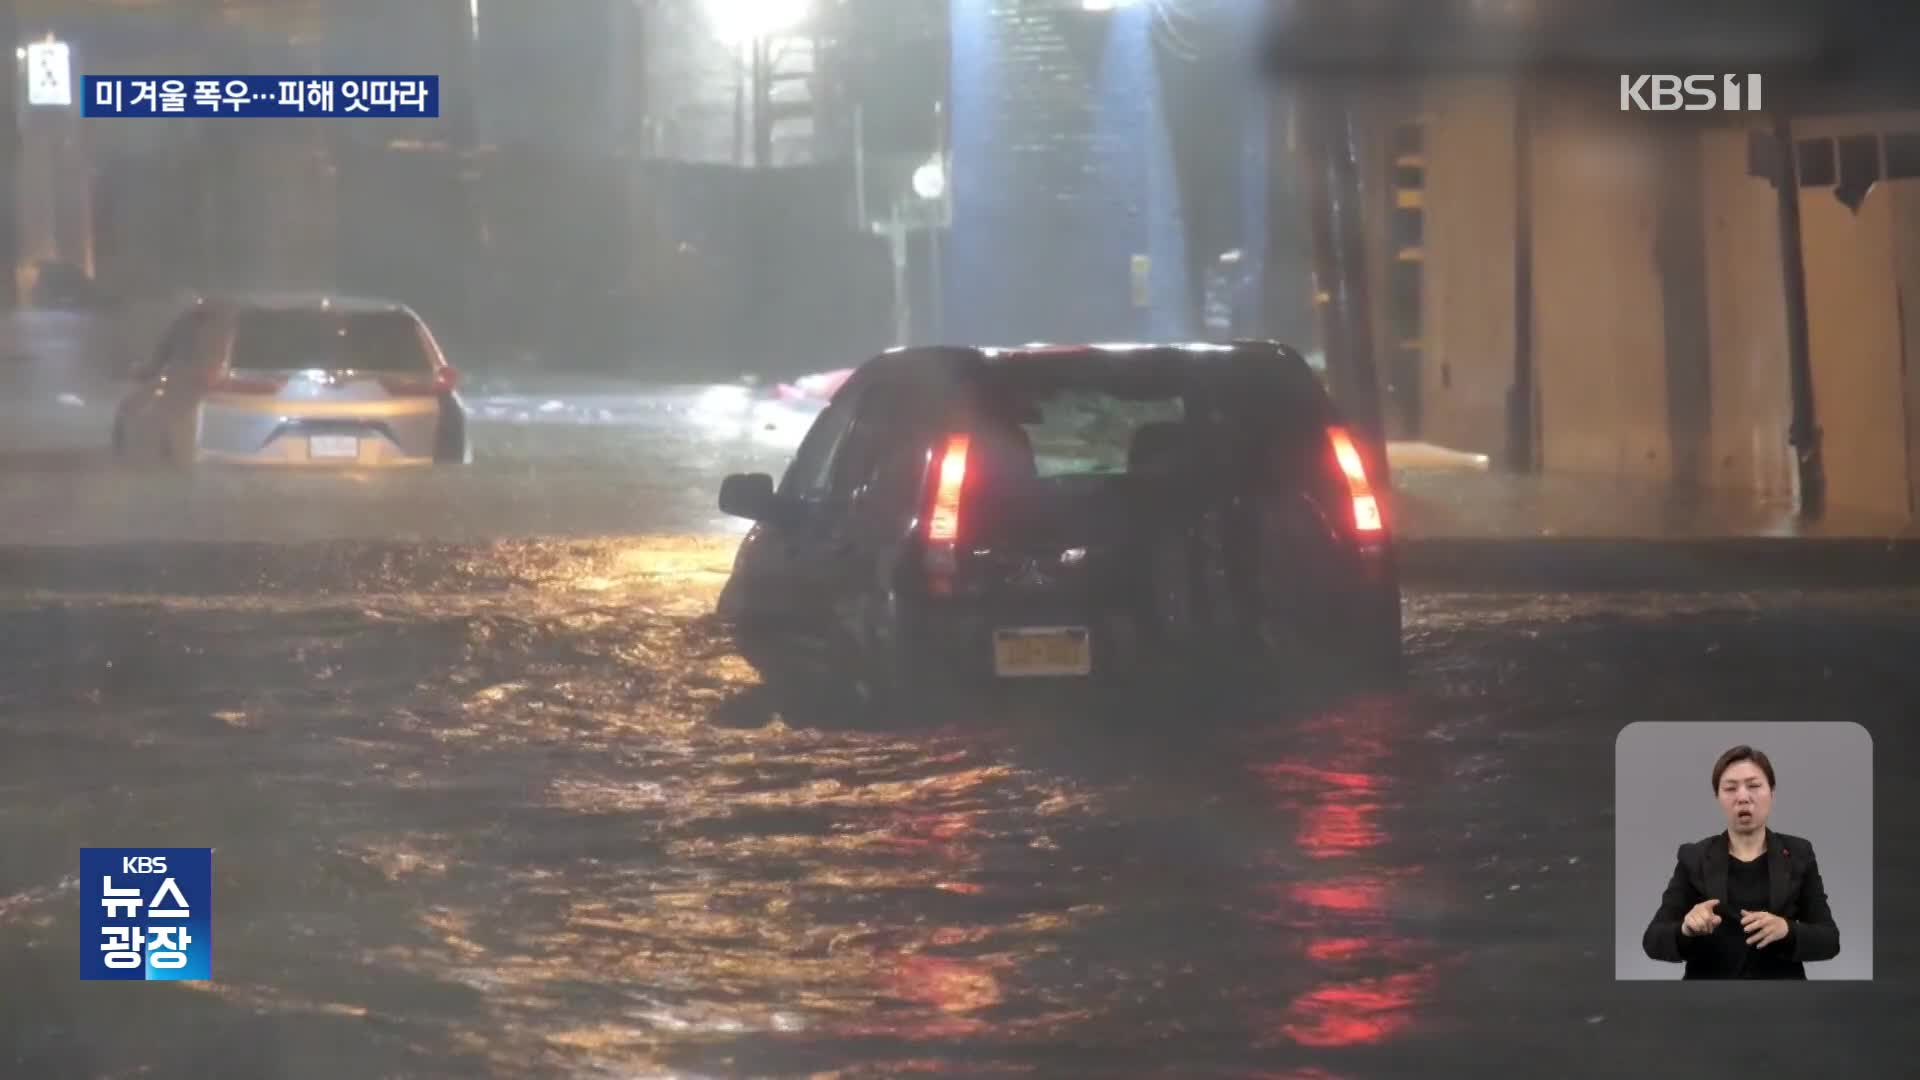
(1369, 982)
(563, 826)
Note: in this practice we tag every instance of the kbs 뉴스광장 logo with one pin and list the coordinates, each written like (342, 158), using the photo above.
(146, 914)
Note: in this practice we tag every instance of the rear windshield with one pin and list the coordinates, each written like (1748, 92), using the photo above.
(329, 341)
(1087, 418)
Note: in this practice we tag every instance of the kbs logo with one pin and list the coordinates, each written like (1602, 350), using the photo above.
(1690, 93)
(146, 913)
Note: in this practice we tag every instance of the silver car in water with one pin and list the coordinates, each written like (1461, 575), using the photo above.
(295, 380)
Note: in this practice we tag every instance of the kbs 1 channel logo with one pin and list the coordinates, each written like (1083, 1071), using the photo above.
(1690, 93)
(146, 914)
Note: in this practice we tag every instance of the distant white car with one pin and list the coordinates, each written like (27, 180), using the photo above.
(815, 389)
(295, 380)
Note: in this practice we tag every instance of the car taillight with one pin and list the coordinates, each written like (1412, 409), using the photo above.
(1366, 508)
(235, 383)
(944, 523)
(443, 380)
(943, 517)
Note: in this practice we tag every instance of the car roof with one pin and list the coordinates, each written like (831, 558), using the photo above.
(1199, 351)
(959, 360)
(300, 301)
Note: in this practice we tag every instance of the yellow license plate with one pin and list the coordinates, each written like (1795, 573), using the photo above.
(1042, 651)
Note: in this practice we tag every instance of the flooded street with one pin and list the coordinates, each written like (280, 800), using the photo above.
(535, 817)
(491, 806)
(360, 523)
(562, 457)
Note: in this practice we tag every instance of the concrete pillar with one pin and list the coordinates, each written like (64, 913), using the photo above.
(1599, 305)
(1855, 261)
(38, 173)
(1905, 197)
(1334, 148)
(1618, 319)
(1751, 403)
(9, 166)
(1467, 305)
(1378, 123)
(1659, 342)
(55, 189)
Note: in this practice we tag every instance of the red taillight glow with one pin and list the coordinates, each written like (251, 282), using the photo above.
(444, 379)
(943, 524)
(1366, 508)
(235, 383)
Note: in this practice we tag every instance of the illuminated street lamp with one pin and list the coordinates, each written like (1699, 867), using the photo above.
(930, 180)
(738, 22)
(928, 184)
(745, 27)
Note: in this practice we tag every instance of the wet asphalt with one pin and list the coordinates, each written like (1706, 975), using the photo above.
(491, 794)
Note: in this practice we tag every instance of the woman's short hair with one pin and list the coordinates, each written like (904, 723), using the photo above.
(1742, 753)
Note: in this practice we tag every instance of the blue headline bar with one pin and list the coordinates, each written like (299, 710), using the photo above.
(261, 96)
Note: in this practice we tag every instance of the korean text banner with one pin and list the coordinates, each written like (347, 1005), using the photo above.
(261, 96)
(146, 914)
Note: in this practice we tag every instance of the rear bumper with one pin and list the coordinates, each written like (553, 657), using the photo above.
(291, 458)
(954, 642)
(267, 433)
(949, 642)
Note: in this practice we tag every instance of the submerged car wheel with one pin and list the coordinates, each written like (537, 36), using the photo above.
(450, 445)
(1375, 655)
(1386, 665)
(892, 683)
(878, 676)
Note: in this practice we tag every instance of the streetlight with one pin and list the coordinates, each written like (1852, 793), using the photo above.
(738, 22)
(929, 185)
(930, 180)
(745, 26)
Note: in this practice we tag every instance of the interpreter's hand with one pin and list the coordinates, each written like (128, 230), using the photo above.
(1763, 928)
(1701, 920)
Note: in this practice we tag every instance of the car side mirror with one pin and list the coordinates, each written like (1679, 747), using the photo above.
(749, 496)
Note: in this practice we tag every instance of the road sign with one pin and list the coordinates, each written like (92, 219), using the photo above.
(49, 74)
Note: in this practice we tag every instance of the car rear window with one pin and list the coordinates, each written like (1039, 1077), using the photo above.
(1091, 417)
(1082, 431)
(329, 341)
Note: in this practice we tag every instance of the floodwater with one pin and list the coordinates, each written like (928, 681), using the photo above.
(522, 810)
(492, 794)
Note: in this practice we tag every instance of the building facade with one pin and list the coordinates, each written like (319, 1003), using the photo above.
(1067, 215)
(1650, 322)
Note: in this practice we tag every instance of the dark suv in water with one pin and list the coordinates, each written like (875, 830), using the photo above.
(1092, 513)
